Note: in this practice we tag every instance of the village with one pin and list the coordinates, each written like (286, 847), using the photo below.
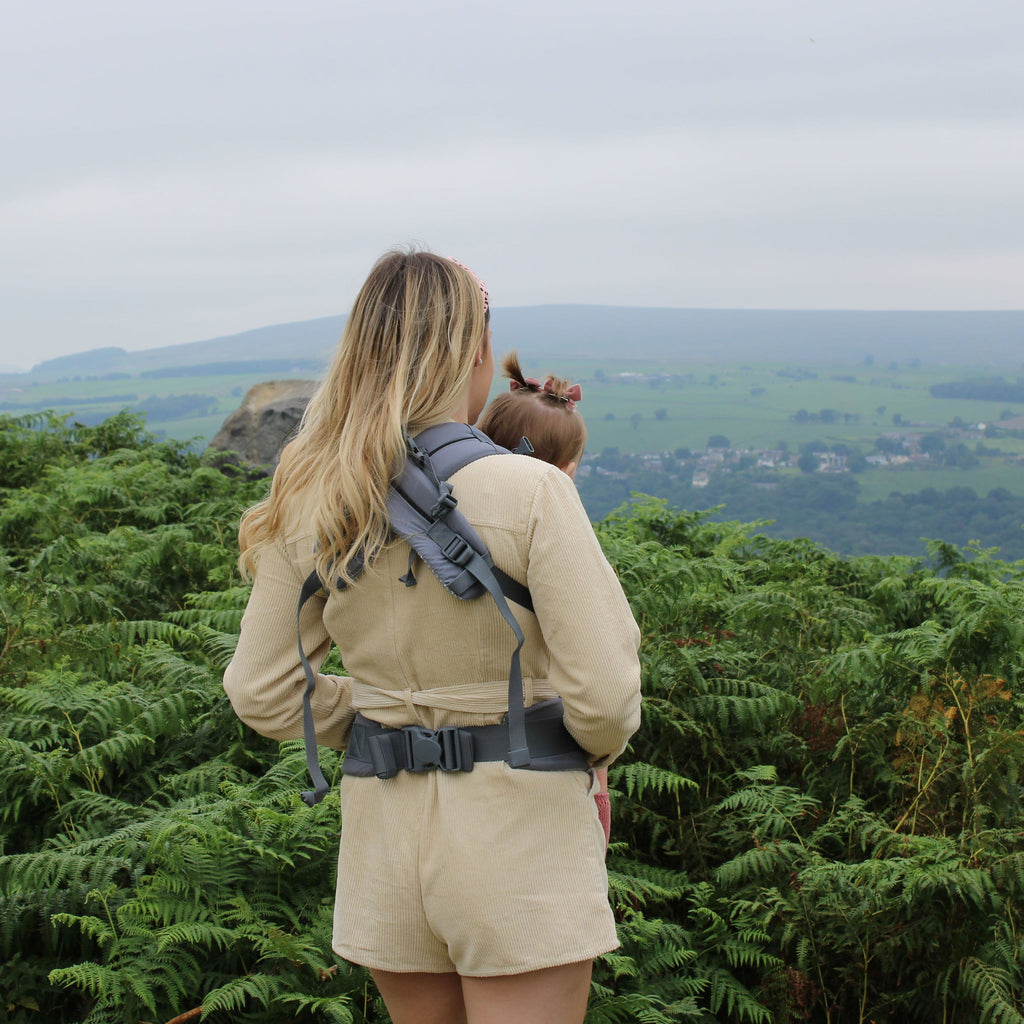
(911, 446)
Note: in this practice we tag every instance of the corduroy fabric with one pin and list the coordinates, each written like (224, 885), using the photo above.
(496, 871)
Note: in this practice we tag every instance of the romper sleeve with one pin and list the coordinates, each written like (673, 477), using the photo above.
(265, 680)
(590, 632)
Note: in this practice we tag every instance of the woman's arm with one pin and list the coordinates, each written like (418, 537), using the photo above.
(265, 680)
(586, 621)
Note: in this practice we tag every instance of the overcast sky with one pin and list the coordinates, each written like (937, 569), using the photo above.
(179, 171)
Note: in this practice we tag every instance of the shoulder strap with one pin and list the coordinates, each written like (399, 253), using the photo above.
(422, 510)
(310, 586)
(423, 492)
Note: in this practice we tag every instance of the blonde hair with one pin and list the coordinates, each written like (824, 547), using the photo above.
(541, 412)
(403, 363)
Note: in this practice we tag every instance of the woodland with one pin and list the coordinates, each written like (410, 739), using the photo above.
(828, 507)
(821, 818)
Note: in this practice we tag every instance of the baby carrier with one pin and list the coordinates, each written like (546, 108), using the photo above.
(422, 511)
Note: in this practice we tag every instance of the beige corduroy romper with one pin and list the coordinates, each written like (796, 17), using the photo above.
(495, 871)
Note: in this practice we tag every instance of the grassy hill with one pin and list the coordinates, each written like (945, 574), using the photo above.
(978, 338)
(713, 362)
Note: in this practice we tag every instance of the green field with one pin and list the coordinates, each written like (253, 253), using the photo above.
(90, 398)
(877, 484)
(639, 406)
(754, 406)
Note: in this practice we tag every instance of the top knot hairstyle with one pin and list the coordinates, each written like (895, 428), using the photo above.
(405, 358)
(543, 411)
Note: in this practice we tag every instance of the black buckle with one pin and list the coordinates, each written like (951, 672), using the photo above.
(416, 453)
(445, 503)
(456, 750)
(422, 751)
(448, 749)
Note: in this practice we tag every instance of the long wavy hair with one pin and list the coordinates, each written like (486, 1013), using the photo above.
(403, 363)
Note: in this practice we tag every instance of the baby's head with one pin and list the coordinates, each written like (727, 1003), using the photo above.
(543, 411)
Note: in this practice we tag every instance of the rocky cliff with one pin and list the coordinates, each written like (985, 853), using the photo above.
(266, 419)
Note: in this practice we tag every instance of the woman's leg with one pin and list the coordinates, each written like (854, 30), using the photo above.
(555, 995)
(421, 998)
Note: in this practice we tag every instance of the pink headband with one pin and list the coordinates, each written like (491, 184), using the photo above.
(483, 287)
(571, 395)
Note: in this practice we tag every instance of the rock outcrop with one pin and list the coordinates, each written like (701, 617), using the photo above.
(258, 429)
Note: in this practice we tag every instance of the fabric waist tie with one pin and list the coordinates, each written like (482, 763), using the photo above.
(375, 749)
(472, 698)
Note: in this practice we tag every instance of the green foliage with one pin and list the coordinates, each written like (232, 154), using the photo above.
(885, 510)
(830, 769)
(820, 819)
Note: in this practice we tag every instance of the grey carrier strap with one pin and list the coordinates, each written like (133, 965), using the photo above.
(422, 511)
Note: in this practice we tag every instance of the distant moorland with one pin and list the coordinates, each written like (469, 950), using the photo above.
(811, 420)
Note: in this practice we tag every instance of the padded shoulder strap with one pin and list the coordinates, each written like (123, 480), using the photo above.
(421, 497)
(450, 446)
(451, 547)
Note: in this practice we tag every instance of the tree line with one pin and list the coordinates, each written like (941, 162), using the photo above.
(824, 507)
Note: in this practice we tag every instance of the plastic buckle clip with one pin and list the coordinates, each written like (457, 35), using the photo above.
(456, 750)
(416, 453)
(448, 749)
(445, 503)
(422, 751)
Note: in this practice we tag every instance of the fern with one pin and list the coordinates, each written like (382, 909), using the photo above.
(639, 778)
(819, 819)
(993, 991)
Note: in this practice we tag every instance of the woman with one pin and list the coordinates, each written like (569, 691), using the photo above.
(476, 896)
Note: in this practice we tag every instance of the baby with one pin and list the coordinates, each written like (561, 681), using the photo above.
(545, 413)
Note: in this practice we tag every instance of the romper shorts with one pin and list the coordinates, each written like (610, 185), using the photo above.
(492, 872)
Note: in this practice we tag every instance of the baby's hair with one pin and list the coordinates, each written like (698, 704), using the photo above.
(543, 411)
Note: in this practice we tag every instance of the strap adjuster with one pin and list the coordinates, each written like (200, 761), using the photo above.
(458, 551)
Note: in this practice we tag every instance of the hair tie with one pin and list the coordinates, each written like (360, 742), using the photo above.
(527, 382)
(571, 395)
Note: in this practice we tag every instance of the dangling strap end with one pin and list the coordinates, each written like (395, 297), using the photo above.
(320, 784)
(311, 797)
(519, 758)
(409, 579)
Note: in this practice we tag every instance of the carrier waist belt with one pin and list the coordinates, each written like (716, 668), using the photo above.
(375, 749)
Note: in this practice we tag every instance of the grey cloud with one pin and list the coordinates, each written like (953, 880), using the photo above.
(176, 172)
